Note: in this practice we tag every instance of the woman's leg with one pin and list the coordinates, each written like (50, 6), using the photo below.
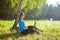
(33, 29)
(25, 32)
(29, 30)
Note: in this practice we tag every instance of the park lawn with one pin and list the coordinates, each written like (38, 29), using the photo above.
(51, 30)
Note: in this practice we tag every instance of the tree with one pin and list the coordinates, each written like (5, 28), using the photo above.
(53, 12)
(35, 10)
(10, 7)
(7, 8)
(17, 18)
(29, 7)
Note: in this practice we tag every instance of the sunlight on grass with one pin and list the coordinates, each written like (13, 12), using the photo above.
(51, 29)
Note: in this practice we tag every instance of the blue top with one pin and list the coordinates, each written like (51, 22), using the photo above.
(21, 25)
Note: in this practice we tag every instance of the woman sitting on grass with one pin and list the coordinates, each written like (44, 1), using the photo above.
(23, 28)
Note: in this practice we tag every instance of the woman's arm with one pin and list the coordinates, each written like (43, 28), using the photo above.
(22, 25)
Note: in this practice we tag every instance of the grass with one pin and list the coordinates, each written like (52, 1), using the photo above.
(51, 29)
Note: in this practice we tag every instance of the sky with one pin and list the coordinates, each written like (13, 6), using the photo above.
(53, 2)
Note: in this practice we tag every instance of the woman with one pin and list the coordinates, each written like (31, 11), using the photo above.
(22, 26)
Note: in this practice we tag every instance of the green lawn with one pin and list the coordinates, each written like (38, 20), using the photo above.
(51, 30)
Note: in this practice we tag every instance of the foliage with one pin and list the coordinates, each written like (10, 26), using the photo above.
(53, 12)
(9, 8)
(36, 9)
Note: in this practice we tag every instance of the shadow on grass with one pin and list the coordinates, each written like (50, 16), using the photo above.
(12, 35)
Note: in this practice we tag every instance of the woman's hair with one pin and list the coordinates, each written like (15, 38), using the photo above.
(21, 14)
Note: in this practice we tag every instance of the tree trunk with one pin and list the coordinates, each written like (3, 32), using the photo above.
(17, 18)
